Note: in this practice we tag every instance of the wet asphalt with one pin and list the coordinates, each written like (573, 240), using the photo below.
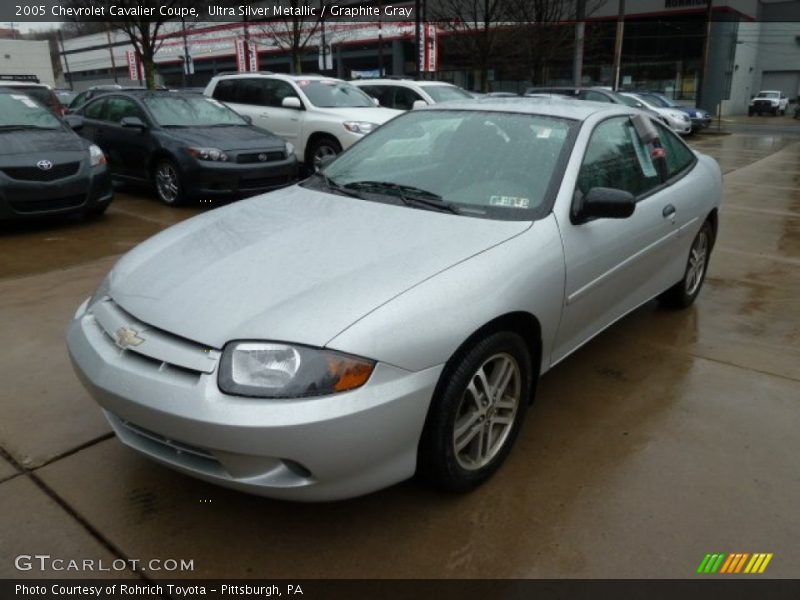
(671, 435)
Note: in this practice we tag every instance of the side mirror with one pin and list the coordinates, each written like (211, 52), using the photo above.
(418, 104)
(133, 123)
(324, 162)
(292, 102)
(376, 102)
(604, 203)
(74, 121)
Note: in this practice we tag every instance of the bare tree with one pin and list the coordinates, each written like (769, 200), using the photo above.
(478, 29)
(145, 33)
(294, 34)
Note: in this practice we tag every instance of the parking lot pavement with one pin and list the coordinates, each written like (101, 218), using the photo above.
(7, 471)
(671, 435)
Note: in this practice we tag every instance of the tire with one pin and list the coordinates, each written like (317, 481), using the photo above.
(683, 293)
(97, 211)
(167, 182)
(322, 146)
(460, 402)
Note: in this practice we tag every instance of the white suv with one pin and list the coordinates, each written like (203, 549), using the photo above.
(768, 101)
(404, 94)
(320, 116)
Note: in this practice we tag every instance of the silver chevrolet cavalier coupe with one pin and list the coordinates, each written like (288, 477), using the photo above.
(392, 314)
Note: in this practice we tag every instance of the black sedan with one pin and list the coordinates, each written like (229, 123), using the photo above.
(187, 146)
(45, 168)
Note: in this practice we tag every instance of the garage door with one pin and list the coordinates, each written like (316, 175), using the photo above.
(786, 81)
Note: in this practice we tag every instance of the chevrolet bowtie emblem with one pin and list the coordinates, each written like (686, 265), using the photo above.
(127, 337)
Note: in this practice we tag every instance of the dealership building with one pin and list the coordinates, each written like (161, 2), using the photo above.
(754, 45)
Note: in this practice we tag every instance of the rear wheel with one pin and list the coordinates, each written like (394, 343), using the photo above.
(476, 413)
(683, 293)
(167, 182)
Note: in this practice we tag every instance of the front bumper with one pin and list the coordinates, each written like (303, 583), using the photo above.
(308, 449)
(681, 127)
(207, 178)
(90, 187)
(699, 123)
(763, 107)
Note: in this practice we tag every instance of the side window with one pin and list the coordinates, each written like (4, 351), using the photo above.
(678, 156)
(382, 93)
(119, 108)
(253, 91)
(616, 158)
(225, 90)
(404, 98)
(94, 110)
(278, 90)
(594, 96)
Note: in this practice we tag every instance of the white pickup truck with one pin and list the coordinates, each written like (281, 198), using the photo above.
(773, 102)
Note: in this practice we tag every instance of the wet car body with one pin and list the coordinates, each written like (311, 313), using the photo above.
(255, 160)
(47, 169)
(402, 282)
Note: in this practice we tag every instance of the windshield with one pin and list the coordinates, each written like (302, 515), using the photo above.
(768, 95)
(331, 93)
(19, 110)
(190, 111)
(443, 93)
(482, 163)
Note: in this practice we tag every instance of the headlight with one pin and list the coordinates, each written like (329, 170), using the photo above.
(214, 154)
(362, 127)
(289, 149)
(96, 156)
(276, 370)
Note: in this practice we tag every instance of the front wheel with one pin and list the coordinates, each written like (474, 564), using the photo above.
(476, 413)
(167, 182)
(321, 149)
(683, 293)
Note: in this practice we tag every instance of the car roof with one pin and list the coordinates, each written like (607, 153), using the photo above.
(564, 108)
(284, 76)
(406, 82)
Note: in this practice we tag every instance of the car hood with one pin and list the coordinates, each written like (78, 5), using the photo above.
(44, 142)
(294, 265)
(370, 114)
(228, 138)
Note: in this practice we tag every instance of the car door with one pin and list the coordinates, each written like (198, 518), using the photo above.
(614, 265)
(93, 113)
(284, 122)
(127, 148)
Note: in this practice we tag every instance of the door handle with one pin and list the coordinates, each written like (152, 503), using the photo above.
(669, 211)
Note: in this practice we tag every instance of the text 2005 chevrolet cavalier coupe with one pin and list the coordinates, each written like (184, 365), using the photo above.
(392, 314)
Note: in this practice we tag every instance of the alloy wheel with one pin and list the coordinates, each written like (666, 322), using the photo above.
(487, 411)
(167, 182)
(698, 257)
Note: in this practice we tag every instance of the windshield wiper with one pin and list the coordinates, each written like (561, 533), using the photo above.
(410, 195)
(22, 127)
(336, 188)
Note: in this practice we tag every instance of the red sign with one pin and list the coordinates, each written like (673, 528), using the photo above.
(429, 53)
(134, 67)
(241, 56)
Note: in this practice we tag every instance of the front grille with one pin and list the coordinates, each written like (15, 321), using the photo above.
(48, 204)
(34, 173)
(264, 182)
(261, 157)
(172, 446)
(157, 351)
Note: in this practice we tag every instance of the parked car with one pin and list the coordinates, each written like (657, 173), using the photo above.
(677, 120)
(700, 118)
(186, 145)
(321, 116)
(94, 91)
(595, 94)
(393, 313)
(769, 101)
(405, 94)
(45, 167)
(38, 91)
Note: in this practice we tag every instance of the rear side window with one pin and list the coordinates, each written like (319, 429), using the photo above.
(253, 91)
(94, 110)
(382, 93)
(225, 90)
(679, 156)
(616, 158)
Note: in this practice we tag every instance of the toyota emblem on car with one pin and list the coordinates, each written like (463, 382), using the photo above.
(44, 165)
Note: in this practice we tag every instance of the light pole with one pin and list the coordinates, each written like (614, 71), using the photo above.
(618, 43)
(580, 28)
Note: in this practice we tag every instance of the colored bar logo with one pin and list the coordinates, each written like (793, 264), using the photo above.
(738, 562)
